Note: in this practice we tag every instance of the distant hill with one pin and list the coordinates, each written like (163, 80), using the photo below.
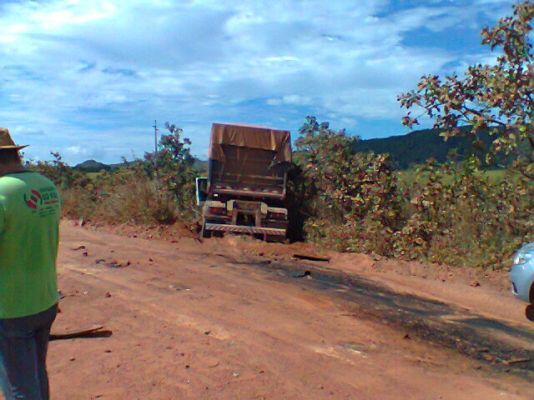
(95, 166)
(418, 146)
(406, 150)
(92, 166)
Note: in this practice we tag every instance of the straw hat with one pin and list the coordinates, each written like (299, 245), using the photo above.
(6, 143)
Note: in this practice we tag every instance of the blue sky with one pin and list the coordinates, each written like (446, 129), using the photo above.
(88, 78)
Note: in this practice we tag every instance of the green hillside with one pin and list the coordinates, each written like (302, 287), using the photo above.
(418, 146)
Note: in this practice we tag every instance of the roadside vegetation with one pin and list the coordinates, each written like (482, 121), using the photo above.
(473, 210)
(158, 189)
(452, 213)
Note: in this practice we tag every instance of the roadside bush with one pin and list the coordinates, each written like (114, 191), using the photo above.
(450, 213)
(471, 219)
(159, 189)
(459, 216)
(63, 176)
(356, 206)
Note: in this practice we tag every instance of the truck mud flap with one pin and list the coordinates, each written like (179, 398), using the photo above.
(245, 229)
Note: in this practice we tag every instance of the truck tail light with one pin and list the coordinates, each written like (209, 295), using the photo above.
(277, 215)
(217, 210)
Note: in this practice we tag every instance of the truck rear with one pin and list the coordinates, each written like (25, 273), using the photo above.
(247, 181)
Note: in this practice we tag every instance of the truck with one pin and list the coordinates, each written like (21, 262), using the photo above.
(246, 187)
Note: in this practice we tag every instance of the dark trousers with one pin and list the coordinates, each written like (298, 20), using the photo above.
(23, 348)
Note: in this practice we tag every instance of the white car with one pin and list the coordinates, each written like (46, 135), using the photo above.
(522, 276)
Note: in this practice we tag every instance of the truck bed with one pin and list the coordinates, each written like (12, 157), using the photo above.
(247, 171)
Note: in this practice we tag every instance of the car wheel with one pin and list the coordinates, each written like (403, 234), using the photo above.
(529, 312)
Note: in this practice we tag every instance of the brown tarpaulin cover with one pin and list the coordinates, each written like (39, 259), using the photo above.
(256, 137)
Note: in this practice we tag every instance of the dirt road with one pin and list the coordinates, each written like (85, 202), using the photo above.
(210, 321)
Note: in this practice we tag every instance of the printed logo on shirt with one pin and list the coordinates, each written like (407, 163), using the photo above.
(34, 199)
(45, 201)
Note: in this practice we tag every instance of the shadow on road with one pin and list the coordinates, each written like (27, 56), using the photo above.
(506, 347)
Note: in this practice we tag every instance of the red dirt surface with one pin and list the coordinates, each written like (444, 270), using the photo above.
(190, 322)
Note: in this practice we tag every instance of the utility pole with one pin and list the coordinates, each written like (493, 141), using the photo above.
(155, 145)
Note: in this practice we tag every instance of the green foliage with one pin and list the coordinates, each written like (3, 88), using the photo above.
(355, 194)
(173, 166)
(457, 215)
(129, 195)
(497, 97)
(60, 173)
(158, 189)
(451, 213)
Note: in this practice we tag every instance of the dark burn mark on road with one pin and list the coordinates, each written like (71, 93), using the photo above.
(475, 336)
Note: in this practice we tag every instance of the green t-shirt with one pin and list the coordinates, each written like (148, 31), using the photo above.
(29, 237)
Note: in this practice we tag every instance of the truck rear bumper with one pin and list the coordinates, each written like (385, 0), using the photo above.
(245, 229)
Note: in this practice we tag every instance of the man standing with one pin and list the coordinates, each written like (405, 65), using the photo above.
(29, 235)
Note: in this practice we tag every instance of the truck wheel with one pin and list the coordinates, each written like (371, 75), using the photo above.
(204, 233)
(275, 239)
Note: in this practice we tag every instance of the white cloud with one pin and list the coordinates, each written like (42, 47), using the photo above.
(91, 77)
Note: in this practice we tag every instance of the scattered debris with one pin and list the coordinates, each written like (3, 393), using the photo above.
(108, 294)
(85, 253)
(63, 295)
(118, 264)
(407, 336)
(178, 287)
(304, 275)
(100, 261)
(311, 258)
(516, 361)
(94, 332)
(82, 247)
(354, 348)
(474, 284)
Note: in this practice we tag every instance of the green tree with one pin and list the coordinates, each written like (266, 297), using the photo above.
(352, 193)
(174, 166)
(495, 97)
